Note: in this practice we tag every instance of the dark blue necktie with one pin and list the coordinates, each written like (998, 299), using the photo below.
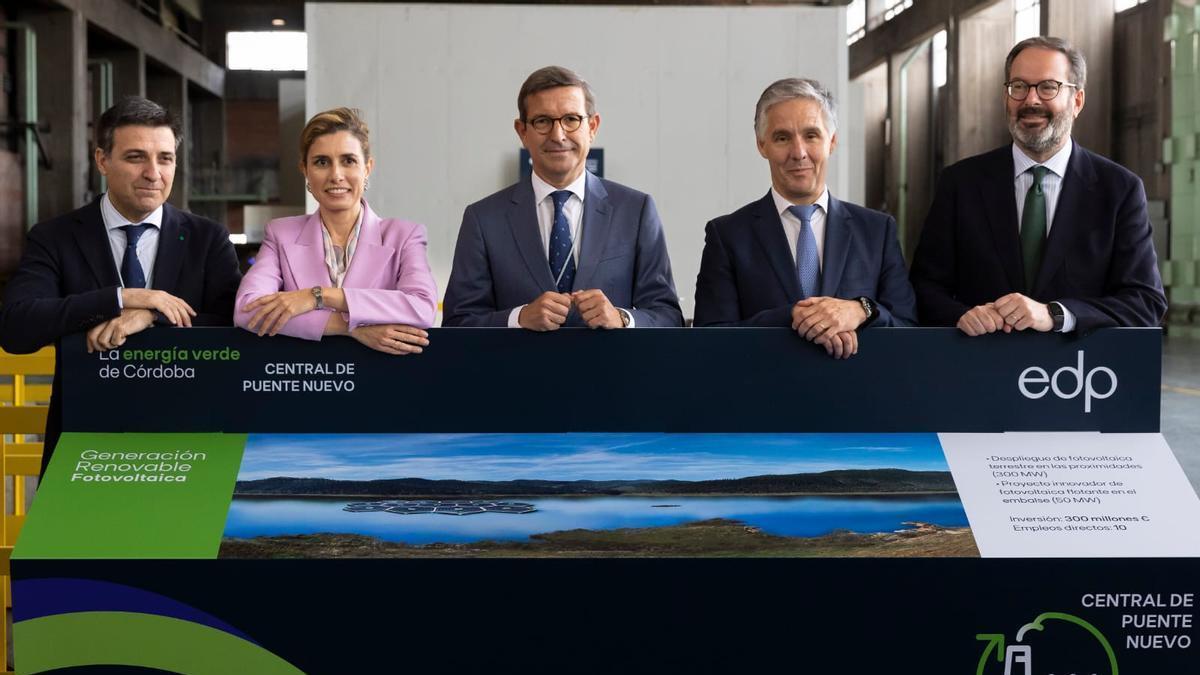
(562, 262)
(808, 265)
(131, 267)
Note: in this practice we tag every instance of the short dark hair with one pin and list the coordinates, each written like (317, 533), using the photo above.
(1074, 56)
(549, 78)
(134, 111)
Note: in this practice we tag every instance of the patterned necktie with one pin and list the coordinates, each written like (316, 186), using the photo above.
(808, 265)
(1033, 227)
(131, 267)
(562, 260)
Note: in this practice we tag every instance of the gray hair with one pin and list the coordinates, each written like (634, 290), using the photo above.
(1074, 56)
(552, 77)
(134, 111)
(792, 88)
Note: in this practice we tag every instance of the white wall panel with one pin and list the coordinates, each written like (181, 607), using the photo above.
(675, 89)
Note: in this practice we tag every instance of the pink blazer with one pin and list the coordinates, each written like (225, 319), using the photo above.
(388, 280)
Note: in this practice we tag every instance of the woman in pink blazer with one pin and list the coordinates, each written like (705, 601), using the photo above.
(342, 270)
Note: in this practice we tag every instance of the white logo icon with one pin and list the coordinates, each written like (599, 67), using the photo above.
(1035, 382)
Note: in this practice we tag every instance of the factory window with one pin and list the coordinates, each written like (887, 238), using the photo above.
(1027, 20)
(266, 50)
(856, 21)
(894, 7)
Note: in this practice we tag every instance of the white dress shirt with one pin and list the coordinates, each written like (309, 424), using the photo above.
(573, 210)
(1051, 188)
(147, 244)
(791, 223)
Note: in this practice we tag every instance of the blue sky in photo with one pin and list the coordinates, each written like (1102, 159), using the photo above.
(580, 456)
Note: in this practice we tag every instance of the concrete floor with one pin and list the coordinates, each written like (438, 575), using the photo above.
(1181, 403)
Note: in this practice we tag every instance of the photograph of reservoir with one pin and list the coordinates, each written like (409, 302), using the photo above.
(595, 495)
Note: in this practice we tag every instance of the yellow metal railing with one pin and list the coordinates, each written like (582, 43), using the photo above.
(20, 458)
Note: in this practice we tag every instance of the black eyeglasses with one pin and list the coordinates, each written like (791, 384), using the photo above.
(1018, 90)
(570, 122)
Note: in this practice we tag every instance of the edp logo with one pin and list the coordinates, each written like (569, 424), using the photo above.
(1034, 382)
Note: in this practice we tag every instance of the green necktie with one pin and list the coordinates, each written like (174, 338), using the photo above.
(1033, 227)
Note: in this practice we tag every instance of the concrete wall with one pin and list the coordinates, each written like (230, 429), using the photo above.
(1088, 24)
(291, 123)
(976, 51)
(675, 87)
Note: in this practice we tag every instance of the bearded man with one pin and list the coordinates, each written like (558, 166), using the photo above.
(1041, 234)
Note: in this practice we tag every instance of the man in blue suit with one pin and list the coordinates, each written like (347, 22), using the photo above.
(798, 257)
(1040, 234)
(564, 248)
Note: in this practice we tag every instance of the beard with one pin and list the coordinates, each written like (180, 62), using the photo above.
(1038, 141)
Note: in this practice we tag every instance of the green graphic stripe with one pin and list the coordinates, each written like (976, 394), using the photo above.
(145, 640)
(133, 508)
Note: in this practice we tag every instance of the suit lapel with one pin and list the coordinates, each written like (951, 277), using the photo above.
(838, 241)
(768, 229)
(92, 238)
(597, 230)
(370, 255)
(1073, 197)
(999, 203)
(172, 245)
(522, 220)
(306, 255)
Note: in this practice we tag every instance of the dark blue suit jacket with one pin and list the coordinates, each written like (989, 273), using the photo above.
(500, 262)
(1099, 259)
(748, 277)
(67, 283)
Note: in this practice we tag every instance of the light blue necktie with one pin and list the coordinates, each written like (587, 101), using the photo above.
(808, 265)
(131, 267)
(562, 262)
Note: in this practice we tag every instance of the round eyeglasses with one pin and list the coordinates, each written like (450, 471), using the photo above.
(569, 122)
(1018, 90)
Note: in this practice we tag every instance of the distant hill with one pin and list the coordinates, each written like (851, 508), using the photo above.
(855, 481)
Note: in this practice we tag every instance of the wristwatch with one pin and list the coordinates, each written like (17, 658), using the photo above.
(316, 291)
(1057, 315)
(869, 308)
(625, 317)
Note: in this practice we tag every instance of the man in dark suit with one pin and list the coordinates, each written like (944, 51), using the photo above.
(798, 257)
(1042, 234)
(564, 248)
(123, 263)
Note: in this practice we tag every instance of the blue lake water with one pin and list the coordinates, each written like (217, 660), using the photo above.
(787, 516)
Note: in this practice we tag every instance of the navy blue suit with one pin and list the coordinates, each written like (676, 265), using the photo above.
(67, 283)
(748, 276)
(500, 262)
(1098, 261)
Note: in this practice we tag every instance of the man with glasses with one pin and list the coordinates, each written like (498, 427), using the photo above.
(564, 248)
(1042, 234)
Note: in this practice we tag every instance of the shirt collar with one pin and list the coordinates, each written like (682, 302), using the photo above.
(113, 218)
(1057, 164)
(542, 189)
(782, 204)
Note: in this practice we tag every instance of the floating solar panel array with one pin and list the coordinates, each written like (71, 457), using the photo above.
(448, 508)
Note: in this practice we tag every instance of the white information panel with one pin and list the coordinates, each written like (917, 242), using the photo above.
(1074, 495)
